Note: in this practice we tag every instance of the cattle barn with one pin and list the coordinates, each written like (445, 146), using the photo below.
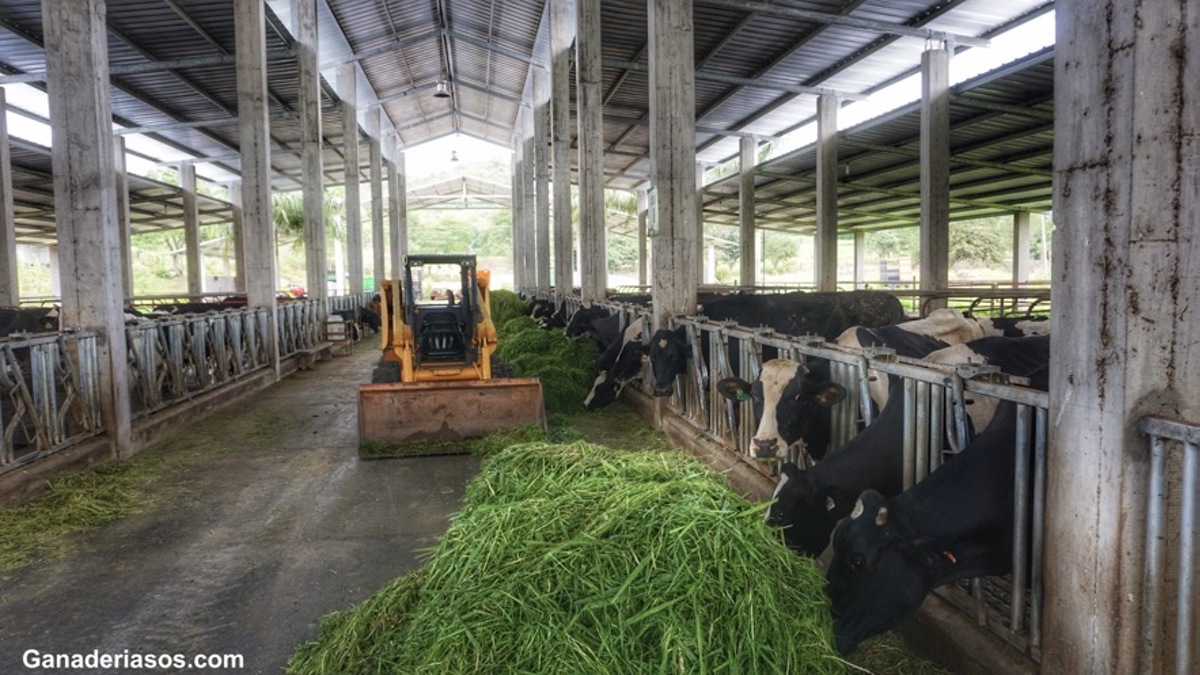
(710, 113)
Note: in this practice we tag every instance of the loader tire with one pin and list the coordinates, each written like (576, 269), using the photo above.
(386, 372)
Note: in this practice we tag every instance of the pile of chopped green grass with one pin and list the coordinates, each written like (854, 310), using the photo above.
(514, 326)
(505, 305)
(75, 503)
(564, 365)
(578, 558)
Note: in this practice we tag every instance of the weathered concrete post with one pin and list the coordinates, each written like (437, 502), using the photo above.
(593, 257)
(562, 36)
(529, 202)
(520, 268)
(124, 233)
(541, 163)
(258, 228)
(673, 155)
(748, 156)
(191, 230)
(1020, 267)
(9, 288)
(85, 190)
(1126, 255)
(311, 139)
(238, 227)
(860, 259)
(827, 193)
(398, 212)
(375, 157)
(643, 237)
(935, 172)
(348, 89)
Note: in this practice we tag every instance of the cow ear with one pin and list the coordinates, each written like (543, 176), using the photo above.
(734, 389)
(828, 393)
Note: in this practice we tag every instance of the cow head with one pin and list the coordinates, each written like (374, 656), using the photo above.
(807, 511)
(788, 405)
(626, 367)
(669, 352)
(880, 571)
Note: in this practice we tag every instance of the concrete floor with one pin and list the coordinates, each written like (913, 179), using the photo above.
(268, 523)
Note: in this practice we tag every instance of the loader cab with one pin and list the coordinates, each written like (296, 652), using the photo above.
(440, 301)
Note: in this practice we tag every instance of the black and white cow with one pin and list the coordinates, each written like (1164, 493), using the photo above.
(808, 503)
(28, 320)
(955, 524)
(620, 364)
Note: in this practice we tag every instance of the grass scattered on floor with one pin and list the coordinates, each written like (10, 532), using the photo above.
(888, 655)
(75, 503)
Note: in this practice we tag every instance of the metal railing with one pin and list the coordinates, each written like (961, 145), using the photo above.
(935, 427)
(1173, 494)
(50, 395)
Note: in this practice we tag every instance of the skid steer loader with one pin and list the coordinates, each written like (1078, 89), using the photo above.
(434, 381)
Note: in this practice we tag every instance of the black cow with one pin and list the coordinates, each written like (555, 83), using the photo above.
(597, 323)
(955, 524)
(810, 502)
(617, 366)
(28, 320)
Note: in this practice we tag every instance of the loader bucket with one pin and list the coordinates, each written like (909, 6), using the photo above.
(398, 413)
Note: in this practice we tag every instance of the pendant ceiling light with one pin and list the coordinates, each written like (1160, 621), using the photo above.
(442, 91)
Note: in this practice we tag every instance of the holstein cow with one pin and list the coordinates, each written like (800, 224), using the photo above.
(810, 502)
(618, 366)
(824, 314)
(955, 524)
(28, 320)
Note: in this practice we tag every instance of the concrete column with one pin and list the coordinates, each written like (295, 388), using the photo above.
(124, 233)
(191, 230)
(10, 290)
(593, 257)
(348, 90)
(85, 190)
(311, 140)
(1127, 113)
(339, 267)
(673, 156)
(258, 230)
(238, 227)
(860, 259)
(520, 259)
(643, 238)
(541, 163)
(698, 254)
(398, 211)
(935, 172)
(827, 193)
(529, 202)
(749, 161)
(56, 288)
(1020, 247)
(562, 35)
(378, 244)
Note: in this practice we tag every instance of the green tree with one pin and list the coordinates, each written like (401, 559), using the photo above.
(622, 253)
(981, 242)
(779, 252)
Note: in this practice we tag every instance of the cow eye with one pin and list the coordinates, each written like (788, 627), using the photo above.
(857, 561)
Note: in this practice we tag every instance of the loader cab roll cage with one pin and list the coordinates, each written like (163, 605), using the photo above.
(446, 326)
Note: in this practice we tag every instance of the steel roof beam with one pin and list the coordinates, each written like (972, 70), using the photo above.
(275, 55)
(700, 128)
(756, 82)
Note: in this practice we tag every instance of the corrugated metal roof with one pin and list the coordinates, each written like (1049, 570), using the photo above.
(485, 50)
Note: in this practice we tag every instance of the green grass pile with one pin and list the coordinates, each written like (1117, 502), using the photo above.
(564, 365)
(578, 558)
(72, 504)
(505, 305)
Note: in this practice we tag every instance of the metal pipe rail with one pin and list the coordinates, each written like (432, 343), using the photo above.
(1165, 435)
(50, 396)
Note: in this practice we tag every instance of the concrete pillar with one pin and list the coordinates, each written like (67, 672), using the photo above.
(827, 193)
(593, 257)
(10, 290)
(749, 161)
(642, 237)
(339, 267)
(520, 259)
(562, 35)
(258, 231)
(1127, 113)
(311, 141)
(935, 172)
(398, 211)
(348, 90)
(673, 156)
(541, 163)
(55, 271)
(76, 46)
(1020, 247)
(124, 233)
(378, 244)
(860, 259)
(237, 225)
(529, 202)
(191, 230)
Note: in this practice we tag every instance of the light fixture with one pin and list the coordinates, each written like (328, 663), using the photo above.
(453, 155)
(442, 91)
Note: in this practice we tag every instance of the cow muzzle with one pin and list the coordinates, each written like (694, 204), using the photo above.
(663, 391)
(765, 448)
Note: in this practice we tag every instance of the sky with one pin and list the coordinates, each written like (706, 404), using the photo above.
(434, 157)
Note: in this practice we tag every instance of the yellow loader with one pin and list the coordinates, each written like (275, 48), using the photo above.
(435, 381)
